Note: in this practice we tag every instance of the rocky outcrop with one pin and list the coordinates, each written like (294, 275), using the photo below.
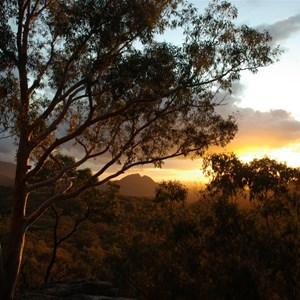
(75, 290)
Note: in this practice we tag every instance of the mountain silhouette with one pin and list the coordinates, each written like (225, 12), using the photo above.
(7, 173)
(131, 185)
(137, 185)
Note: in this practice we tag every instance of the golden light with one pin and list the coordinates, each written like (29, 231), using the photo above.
(192, 176)
(189, 171)
(289, 154)
(189, 175)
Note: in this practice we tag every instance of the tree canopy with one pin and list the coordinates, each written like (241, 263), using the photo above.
(262, 179)
(92, 75)
(171, 191)
(71, 73)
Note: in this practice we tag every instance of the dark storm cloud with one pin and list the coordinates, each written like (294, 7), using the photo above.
(283, 29)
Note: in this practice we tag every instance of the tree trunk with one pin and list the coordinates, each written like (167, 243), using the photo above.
(12, 260)
(13, 252)
(12, 256)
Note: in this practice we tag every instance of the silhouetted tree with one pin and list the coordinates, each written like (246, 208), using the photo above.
(171, 192)
(262, 178)
(57, 241)
(51, 167)
(269, 178)
(90, 74)
(228, 175)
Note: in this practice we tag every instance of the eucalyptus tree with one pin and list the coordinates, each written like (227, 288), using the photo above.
(92, 74)
(171, 192)
(228, 175)
(262, 179)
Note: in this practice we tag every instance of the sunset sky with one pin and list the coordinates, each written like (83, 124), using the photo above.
(267, 102)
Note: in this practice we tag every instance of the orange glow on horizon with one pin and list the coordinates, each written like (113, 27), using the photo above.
(189, 175)
(290, 155)
(189, 171)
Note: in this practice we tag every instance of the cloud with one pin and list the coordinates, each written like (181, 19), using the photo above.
(283, 29)
(265, 130)
(229, 102)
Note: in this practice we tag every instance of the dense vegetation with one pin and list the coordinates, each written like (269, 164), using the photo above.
(237, 245)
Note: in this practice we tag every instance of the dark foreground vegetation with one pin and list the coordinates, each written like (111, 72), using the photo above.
(239, 241)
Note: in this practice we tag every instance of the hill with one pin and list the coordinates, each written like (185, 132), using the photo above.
(7, 173)
(137, 186)
(134, 185)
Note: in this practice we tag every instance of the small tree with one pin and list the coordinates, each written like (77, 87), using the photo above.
(58, 240)
(228, 175)
(51, 167)
(171, 192)
(90, 74)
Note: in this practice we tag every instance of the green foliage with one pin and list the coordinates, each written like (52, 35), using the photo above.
(76, 65)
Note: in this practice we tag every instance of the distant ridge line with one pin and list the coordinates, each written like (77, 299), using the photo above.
(7, 173)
